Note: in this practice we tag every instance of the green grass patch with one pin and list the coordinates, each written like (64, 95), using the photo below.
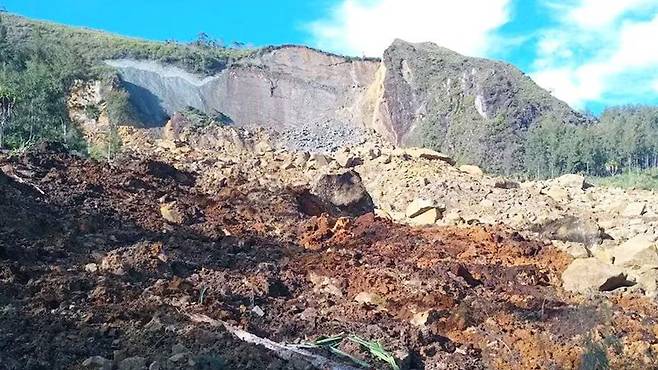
(640, 179)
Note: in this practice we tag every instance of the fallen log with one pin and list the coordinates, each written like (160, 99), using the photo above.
(283, 351)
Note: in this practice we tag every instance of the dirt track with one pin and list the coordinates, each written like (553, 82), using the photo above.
(90, 267)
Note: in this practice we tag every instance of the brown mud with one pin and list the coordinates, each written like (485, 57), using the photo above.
(89, 267)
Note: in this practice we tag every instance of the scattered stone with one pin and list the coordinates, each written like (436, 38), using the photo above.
(370, 298)
(301, 158)
(591, 274)
(429, 217)
(258, 311)
(384, 159)
(177, 357)
(174, 126)
(383, 214)
(420, 318)
(558, 194)
(288, 165)
(636, 209)
(418, 207)
(320, 160)
(373, 153)
(155, 365)
(646, 279)
(506, 184)
(346, 159)
(97, 362)
(325, 284)
(263, 147)
(154, 325)
(132, 363)
(571, 181)
(424, 153)
(575, 250)
(472, 170)
(171, 213)
(91, 267)
(344, 192)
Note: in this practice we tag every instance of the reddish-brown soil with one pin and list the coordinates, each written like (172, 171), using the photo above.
(440, 298)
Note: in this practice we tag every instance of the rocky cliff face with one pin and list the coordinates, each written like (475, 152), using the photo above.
(289, 89)
(475, 109)
(419, 94)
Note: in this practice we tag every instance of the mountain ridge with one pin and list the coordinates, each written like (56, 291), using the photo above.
(421, 94)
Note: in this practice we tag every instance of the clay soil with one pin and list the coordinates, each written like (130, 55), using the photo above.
(89, 267)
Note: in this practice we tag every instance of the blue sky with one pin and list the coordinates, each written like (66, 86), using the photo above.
(590, 53)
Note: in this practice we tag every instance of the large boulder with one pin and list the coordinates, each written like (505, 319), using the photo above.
(572, 229)
(591, 274)
(638, 251)
(647, 280)
(571, 181)
(418, 207)
(174, 126)
(344, 193)
(346, 159)
(471, 170)
(429, 154)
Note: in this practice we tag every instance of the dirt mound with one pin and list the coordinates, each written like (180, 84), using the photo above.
(90, 267)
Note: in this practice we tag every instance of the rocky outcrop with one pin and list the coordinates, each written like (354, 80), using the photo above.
(474, 110)
(315, 97)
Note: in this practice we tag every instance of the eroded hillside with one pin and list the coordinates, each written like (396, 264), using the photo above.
(475, 109)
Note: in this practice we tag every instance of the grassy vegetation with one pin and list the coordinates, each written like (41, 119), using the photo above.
(40, 61)
(641, 179)
(375, 349)
(201, 56)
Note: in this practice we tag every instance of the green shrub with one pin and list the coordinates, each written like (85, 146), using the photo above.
(120, 110)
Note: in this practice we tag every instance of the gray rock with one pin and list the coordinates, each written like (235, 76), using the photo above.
(572, 229)
(132, 363)
(344, 193)
(97, 362)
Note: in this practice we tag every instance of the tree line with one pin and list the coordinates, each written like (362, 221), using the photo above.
(34, 82)
(623, 139)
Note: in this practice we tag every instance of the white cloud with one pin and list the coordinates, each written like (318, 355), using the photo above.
(360, 27)
(595, 43)
(655, 85)
(600, 13)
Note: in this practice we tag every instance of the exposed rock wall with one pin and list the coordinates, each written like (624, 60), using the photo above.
(291, 88)
(475, 109)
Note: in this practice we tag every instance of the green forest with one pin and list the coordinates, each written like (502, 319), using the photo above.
(40, 61)
(624, 139)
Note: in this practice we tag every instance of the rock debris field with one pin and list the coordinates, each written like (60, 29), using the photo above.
(180, 255)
